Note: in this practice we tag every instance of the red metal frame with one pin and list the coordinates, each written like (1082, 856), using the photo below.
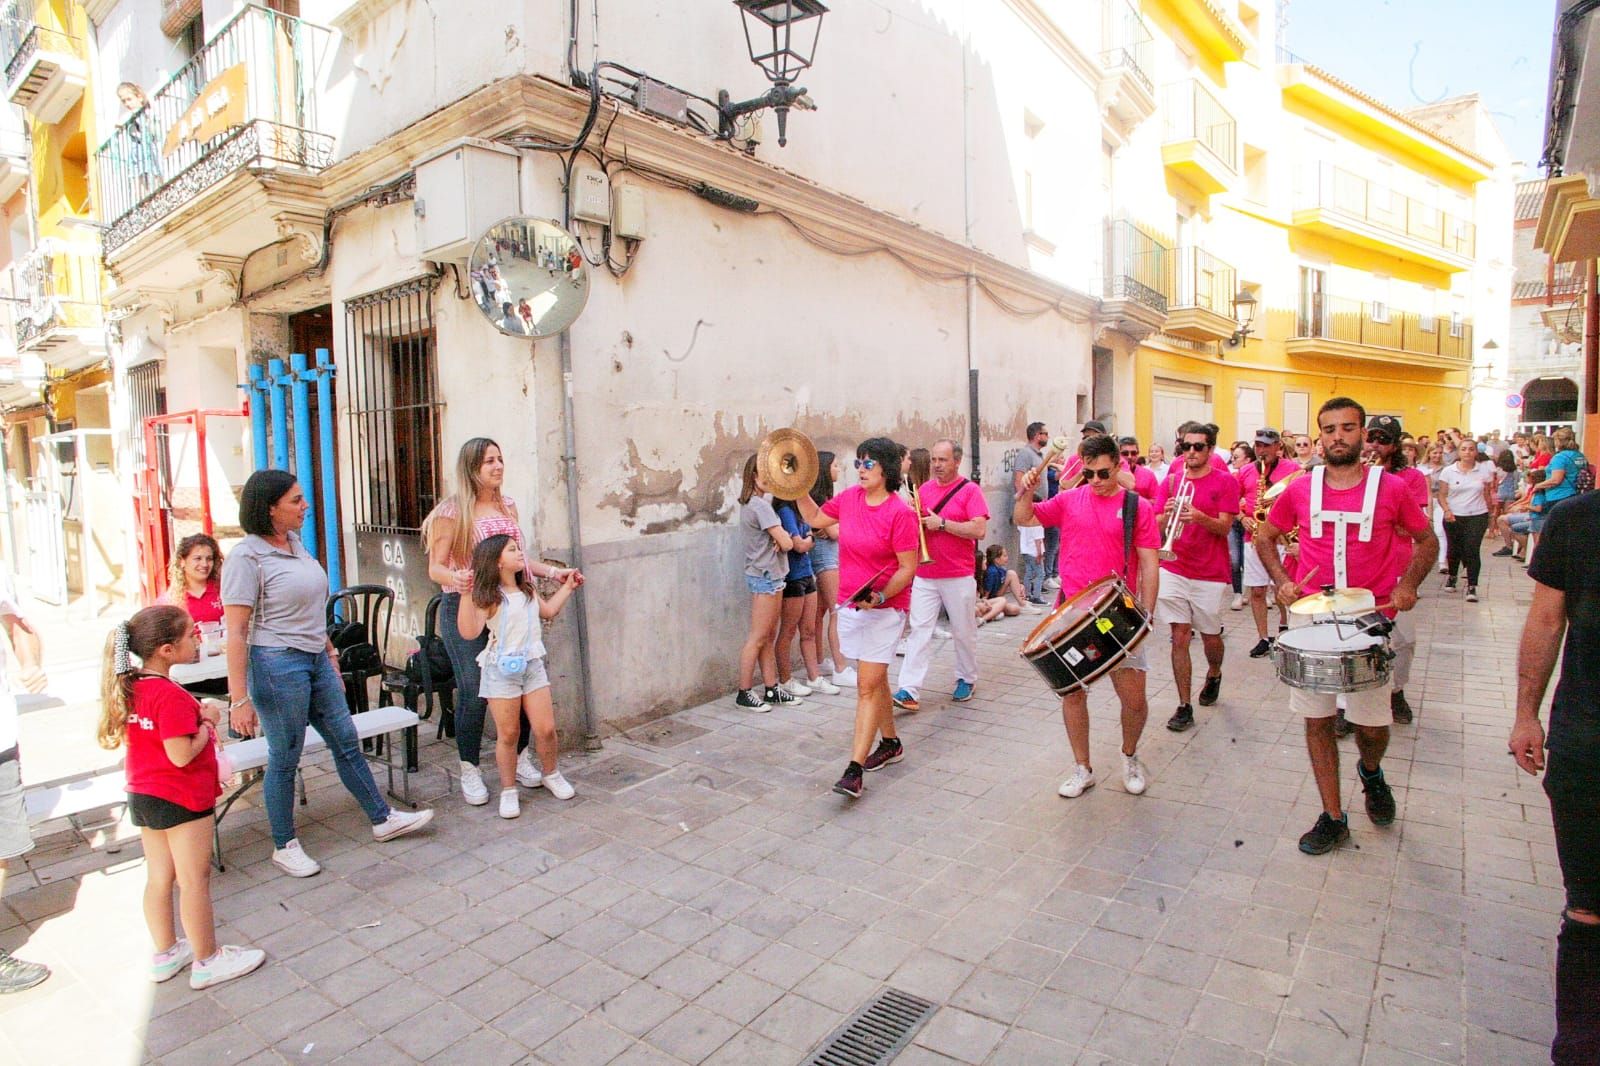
(155, 537)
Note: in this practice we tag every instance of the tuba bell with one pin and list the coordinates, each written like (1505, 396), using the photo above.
(787, 462)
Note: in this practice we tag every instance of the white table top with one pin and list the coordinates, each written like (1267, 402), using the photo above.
(209, 668)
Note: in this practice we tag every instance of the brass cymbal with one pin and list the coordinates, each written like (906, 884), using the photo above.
(1334, 601)
(787, 462)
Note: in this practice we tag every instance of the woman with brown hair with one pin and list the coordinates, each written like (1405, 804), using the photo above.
(766, 568)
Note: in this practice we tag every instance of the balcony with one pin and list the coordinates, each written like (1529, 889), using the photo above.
(1215, 32)
(1137, 281)
(242, 105)
(44, 75)
(1125, 91)
(56, 296)
(1202, 304)
(1349, 208)
(14, 163)
(1358, 329)
(1201, 141)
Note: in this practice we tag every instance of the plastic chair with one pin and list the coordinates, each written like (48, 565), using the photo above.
(413, 692)
(372, 608)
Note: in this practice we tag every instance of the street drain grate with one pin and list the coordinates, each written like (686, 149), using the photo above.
(877, 1032)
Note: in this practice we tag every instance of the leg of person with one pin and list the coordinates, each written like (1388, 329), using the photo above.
(1052, 551)
(959, 594)
(506, 710)
(280, 689)
(1573, 786)
(1443, 534)
(189, 852)
(1472, 533)
(990, 609)
(869, 637)
(1403, 641)
(160, 878)
(470, 707)
(1009, 609)
(540, 712)
(1182, 676)
(925, 603)
(1129, 681)
(765, 610)
(808, 637)
(1207, 600)
(790, 612)
(1452, 552)
(1075, 717)
(1333, 826)
(1256, 582)
(1013, 587)
(16, 975)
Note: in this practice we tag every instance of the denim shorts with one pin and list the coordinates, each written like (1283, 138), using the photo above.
(824, 555)
(762, 585)
(496, 684)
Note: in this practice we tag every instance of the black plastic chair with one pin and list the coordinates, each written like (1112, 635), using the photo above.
(417, 690)
(359, 618)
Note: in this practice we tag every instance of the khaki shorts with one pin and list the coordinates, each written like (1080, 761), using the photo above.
(1185, 601)
(1369, 708)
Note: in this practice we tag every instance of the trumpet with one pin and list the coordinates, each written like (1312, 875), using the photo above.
(922, 534)
(1184, 498)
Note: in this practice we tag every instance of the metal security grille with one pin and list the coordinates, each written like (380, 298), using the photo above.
(877, 1032)
(393, 406)
(147, 396)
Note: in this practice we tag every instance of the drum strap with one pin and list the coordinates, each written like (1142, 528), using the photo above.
(1130, 516)
(1343, 520)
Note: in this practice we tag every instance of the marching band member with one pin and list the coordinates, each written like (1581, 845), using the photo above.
(1269, 468)
(954, 514)
(1094, 513)
(1384, 450)
(877, 534)
(1351, 520)
(1195, 585)
(1145, 482)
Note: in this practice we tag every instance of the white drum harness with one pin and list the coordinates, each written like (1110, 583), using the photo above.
(1343, 520)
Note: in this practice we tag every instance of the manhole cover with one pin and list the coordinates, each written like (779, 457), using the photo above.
(877, 1032)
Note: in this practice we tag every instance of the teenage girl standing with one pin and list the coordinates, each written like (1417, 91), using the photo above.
(766, 566)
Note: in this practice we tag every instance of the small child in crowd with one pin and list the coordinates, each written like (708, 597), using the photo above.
(997, 582)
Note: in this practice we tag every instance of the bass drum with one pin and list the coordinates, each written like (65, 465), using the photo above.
(1080, 641)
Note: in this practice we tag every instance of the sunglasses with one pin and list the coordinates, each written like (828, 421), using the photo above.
(1193, 446)
(866, 464)
(1104, 475)
(1134, 454)
(1379, 438)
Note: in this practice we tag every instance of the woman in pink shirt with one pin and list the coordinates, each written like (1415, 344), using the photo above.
(877, 534)
(196, 581)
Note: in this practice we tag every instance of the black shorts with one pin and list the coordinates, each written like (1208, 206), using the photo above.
(153, 812)
(795, 587)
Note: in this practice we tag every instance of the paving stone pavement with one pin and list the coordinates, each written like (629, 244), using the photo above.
(706, 899)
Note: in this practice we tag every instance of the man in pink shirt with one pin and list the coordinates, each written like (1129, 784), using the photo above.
(1196, 581)
(1270, 467)
(1384, 450)
(1145, 482)
(1091, 518)
(954, 517)
(1353, 523)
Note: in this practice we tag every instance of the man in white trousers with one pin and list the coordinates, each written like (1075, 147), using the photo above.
(954, 517)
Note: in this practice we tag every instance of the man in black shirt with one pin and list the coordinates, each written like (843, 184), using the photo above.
(1566, 597)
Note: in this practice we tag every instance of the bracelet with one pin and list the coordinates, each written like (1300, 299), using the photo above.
(236, 704)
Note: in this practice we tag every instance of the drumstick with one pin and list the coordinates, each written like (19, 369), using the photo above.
(1307, 579)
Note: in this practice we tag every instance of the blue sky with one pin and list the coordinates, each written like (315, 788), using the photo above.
(1411, 52)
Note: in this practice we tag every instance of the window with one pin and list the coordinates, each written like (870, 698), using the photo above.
(392, 399)
(1381, 284)
(1250, 411)
(1313, 302)
(193, 37)
(1457, 324)
(1296, 412)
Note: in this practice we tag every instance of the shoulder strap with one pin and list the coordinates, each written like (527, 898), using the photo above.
(1130, 515)
(949, 496)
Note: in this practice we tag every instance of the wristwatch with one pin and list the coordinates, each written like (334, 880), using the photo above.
(941, 523)
(878, 599)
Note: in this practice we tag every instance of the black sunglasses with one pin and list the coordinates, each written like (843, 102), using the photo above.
(1104, 475)
(1193, 446)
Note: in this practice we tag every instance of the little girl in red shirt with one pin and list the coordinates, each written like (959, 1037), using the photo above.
(171, 770)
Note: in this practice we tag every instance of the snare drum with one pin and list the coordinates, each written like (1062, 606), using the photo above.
(1333, 657)
(1087, 636)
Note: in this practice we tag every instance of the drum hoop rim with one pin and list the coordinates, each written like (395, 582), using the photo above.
(1110, 581)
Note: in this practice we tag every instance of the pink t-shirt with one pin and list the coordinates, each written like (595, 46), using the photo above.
(1373, 565)
(1250, 486)
(1203, 555)
(952, 555)
(869, 538)
(1417, 482)
(1094, 525)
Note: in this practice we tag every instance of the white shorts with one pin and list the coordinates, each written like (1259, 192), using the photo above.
(1031, 540)
(495, 684)
(1185, 601)
(1369, 708)
(1255, 574)
(870, 636)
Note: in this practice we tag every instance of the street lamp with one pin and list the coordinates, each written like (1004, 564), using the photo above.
(782, 38)
(1244, 313)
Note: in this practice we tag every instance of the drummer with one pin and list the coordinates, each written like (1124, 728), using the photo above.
(1352, 521)
(1270, 467)
(1092, 515)
(1384, 449)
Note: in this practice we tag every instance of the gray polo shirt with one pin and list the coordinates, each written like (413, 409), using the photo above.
(286, 589)
(761, 556)
(1028, 458)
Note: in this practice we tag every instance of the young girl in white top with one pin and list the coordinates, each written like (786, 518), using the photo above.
(514, 682)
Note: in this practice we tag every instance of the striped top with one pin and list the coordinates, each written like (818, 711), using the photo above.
(493, 525)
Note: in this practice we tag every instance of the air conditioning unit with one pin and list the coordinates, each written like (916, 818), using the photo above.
(463, 189)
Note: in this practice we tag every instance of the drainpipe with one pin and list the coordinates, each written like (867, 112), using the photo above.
(973, 433)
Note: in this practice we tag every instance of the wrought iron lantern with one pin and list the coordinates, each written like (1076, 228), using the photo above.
(782, 38)
(1244, 313)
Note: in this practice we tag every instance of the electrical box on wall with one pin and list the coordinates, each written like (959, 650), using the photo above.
(627, 213)
(591, 195)
(462, 190)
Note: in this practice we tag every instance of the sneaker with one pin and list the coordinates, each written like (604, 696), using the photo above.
(293, 860)
(845, 678)
(1182, 719)
(900, 648)
(1081, 780)
(1444, 569)
(940, 633)
(1052, 582)
(750, 700)
(1133, 775)
(889, 750)
(558, 786)
(828, 667)
(1326, 835)
(229, 962)
(1472, 594)
(528, 772)
(963, 691)
(1341, 724)
(822, 685)
(850, 783)
(778, 696)
(906, 701)
(1262, 649)
(1399, 707)
(1380, 797)
(1450, 584)
(1039, 602)
(1034, 608)
(19, 976)
(1210, 690)
(795, 687)
(510, 803)
(473, 790)
(1503, 553)
(399, 823)
(166, 965)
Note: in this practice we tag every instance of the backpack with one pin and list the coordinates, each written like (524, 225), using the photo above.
(432, 657)
(1584, 482)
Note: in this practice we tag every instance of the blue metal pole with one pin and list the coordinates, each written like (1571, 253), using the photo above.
(257, 391)
(280, 414)
(300, 393)
(330, 487)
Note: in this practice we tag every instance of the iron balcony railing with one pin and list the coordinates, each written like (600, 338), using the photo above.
(1129, 45)
(1193, 114)
(1205, 281)
(1333, 188)
(1378, 325)
(55, 286)
(1138, 265)
(246, 99)
(30, 43)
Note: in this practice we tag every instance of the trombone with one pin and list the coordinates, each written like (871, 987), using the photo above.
(1184, 498)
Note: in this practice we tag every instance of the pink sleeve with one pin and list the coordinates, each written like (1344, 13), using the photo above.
(903, 530)
(832, 507)
(1282, 514)
(1049, 511)
(1144, 482)
(1145, 532)
(977, 505)
(1408, 511)
(1231, 495)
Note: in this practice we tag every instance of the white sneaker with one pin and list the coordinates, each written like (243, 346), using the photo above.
(1052, 582)
(797, 687)
(845, 678)
(1033, 608)
(827, 667)
(823, 685)
(166, 966)
(1238, 602)
(1082, 779)
(558, 786)
(510, 803)
(293, 860)
(940, 633)
(900, 648)
(1133, 775)
(473, 789)
(528, 772)
(399, 823)
(229, 962)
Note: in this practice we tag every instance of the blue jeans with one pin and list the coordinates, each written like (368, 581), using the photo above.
(470, 707)
(1033, 575)
(1052, 549)
(1236, 554)
(292, 689)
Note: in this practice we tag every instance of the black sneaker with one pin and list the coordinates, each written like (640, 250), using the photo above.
(1449, 584)
(1503, 553)
(1472, 594)
(1210, 690)
(1326, 835)
(889, 750)
(750, 700)
(1380, 797)
(779, 696)
(1399, 707)
(1341, 725)
(1262, 649)
(19, 976)
(850, 783)
(1182, 719)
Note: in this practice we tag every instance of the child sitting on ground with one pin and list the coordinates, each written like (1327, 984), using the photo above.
(997, 582)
